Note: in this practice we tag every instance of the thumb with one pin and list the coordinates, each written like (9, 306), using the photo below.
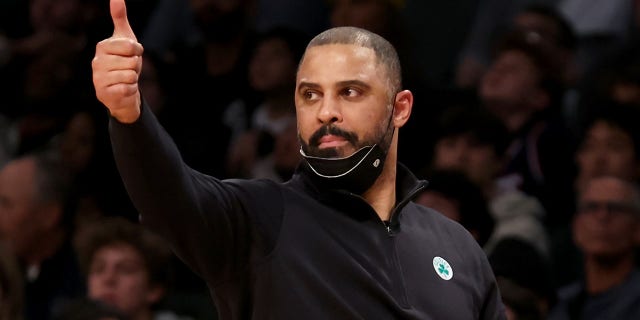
(121, 26)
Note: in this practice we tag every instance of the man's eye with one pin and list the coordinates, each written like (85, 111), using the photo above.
(310, 95)
(351, 92)
(96, 268)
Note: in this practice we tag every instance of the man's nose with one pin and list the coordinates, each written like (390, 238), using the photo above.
(460, 151)
(329, 111)
(109, 277)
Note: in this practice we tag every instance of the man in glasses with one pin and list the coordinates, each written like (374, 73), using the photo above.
(606, 229)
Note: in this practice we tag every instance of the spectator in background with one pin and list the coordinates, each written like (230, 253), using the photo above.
(384, 17)
(127, 267)
(84, 148)
(609, 145)
(606, 229)
(218, 58)
(257, 122)
(583, 34)
(281, 162)
(491, 20)
(625, 83)
(525, 279)
(474, 141)
(36, 221)
(617, 80)
(171, 24)
(454, 195)
(549, 23)
(45, 69)
(600, 30)
(77, 146)
(524, 90)
(309, 17)
(49, 29)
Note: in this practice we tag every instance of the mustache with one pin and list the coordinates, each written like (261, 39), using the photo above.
(332, 130)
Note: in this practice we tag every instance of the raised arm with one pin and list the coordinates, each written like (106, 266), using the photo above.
(116, 68)
(210, 223)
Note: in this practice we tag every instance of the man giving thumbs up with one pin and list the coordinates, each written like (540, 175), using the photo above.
(340, 240)
(117, 66)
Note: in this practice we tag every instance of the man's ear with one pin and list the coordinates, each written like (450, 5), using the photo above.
(402, 108)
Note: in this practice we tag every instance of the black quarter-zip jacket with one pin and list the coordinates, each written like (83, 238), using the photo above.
(290, 250)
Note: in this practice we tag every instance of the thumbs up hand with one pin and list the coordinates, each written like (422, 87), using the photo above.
(116, 68)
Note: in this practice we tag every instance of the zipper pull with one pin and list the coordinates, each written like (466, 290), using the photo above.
(387, 225)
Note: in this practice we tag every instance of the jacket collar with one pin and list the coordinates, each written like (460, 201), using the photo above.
(407, 187)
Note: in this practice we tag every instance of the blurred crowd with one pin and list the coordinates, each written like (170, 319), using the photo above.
(525, 124)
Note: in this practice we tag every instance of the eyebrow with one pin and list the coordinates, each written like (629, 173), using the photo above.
(357, 83)
(310, 85)
(345, 83)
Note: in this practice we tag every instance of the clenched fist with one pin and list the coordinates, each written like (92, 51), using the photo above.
(116, 68)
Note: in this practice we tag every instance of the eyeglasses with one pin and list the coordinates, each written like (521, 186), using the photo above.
(613, 207)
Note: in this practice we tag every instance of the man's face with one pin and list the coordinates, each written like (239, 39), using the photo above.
(606, 224)
(118, 277)
(77, 142)
(19, 221)
(342, 100)
(605, 150)
(464, 153)
(509, 82)
(272, 67)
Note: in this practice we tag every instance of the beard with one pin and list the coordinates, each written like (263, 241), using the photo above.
(382, 138)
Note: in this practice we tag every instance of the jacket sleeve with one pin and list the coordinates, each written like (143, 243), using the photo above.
(207, 221)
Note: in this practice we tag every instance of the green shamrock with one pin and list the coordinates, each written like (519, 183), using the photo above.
(443, 269)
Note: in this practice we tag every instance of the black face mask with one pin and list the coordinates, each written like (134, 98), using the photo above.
(355, 173)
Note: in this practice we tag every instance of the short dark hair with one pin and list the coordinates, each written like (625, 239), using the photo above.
(622, 116)
(116, 230)
(483, 125)
(386, 54)
(541, 52)
(54, 184)
(517, 260)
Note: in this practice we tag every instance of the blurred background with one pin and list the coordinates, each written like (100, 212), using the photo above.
(520, 105)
